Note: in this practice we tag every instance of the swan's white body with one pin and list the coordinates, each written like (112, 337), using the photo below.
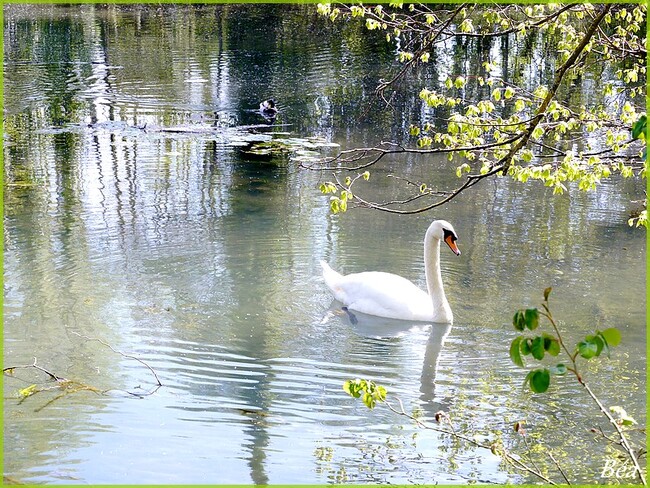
(389, 295)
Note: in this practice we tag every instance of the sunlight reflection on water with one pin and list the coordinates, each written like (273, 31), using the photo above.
(180, 250)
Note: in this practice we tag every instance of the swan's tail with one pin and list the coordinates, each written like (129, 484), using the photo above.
(331, 277)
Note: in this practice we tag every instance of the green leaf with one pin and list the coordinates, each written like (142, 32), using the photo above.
(587, 349)
(351, 387)
(532, 318)
(381, 393)
(526, 345)
(612, 336)
(369, 391)
(621, 416)
(604, 342)
(519, 105)
(540, 379)
(600, 344)
(369, 400)
(528, 377)
(515, 351)
(537, 348)
(519, 320)
(547, 292)
(30, 390)
(551, 345)
(559, 369)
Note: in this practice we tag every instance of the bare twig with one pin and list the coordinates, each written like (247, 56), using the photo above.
(378, 152)
(385, 84)
(128, 356)
(605, 436)
(515, 29)
(55, 377)
(550, 454)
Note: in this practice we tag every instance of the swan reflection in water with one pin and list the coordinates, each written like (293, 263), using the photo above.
(384, 334)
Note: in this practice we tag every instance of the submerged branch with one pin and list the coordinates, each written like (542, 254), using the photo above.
(71, 386)
(9, 370)
(128, 356)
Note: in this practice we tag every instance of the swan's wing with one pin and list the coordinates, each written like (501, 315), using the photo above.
(383, 294)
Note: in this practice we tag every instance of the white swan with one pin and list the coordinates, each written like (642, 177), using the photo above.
(389, 295)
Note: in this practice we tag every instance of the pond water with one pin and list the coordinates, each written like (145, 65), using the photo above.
(124, 241)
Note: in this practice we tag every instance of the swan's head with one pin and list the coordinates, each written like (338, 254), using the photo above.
(444, 231)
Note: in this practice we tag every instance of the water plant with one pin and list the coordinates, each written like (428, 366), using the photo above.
(538, 346)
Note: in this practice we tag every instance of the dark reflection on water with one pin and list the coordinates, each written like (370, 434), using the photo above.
(203, 262)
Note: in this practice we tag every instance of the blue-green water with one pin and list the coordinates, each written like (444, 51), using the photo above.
(179, 250)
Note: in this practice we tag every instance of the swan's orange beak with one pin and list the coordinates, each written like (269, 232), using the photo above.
(452, 244)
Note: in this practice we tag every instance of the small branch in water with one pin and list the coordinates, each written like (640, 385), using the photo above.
(71, 386)
(10, 369)
(128, 356)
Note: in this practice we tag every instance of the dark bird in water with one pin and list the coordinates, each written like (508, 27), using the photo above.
(268, 108)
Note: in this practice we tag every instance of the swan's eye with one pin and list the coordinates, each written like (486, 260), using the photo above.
(450, 240)
(449, 234)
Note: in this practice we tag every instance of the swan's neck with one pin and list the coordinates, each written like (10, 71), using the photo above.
(441, 309)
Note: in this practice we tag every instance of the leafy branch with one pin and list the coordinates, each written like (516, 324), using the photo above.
(373, 394)
(538, 347)
(590, 347)
(542, 124)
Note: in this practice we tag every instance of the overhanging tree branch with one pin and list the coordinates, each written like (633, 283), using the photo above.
(506, 161)
(385, 84)
(367, 157)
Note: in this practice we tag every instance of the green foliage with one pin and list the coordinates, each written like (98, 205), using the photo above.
(29, 391)
(551, 344)
(368, 390)
(640, 131)
(526, 319)
(538, 380)
(339, 201)
(512, 126)
(621, 417)
(640, 128)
